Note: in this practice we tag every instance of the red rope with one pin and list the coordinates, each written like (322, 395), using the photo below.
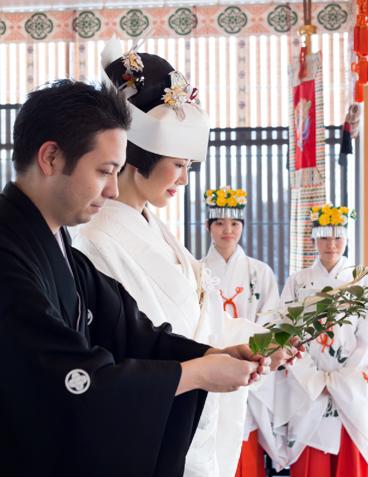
(230, 301)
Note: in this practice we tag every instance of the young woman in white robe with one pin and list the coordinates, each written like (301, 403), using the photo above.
(248, 288)
(130, 244)
(324, 398)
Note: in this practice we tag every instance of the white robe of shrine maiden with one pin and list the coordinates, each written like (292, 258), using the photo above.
(169, 285)
(253, 288)
(328, 387)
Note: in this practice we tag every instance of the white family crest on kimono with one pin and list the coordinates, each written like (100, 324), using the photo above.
(162, 276)
(250, 287)
(327, 388)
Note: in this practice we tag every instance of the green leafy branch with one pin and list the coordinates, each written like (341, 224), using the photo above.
(316, 315)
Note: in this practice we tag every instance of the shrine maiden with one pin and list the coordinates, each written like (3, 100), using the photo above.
(325, 397)
(248, 287)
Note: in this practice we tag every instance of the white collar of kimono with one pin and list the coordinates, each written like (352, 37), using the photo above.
(237, 253)
(139, 242)
(340, 265)
(60, 241)
(144, 219)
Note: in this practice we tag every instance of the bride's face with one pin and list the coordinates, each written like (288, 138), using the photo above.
(165, 178)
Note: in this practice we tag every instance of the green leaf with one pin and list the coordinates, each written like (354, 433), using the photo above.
(282, 338)
(326, 289)
(323, 305)
(310, 330)
(289, 329)
(259, 342)
(356, 290)
(262, 340)
(298, 330)
(295, 311)
(330, 334)
(318, 326)
(253, 345)
(307, 315)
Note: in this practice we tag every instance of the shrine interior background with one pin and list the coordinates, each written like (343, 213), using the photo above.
(238, 56)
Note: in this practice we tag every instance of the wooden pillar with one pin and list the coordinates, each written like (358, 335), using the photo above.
(364, 185)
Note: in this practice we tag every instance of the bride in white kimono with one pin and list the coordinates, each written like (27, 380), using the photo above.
(324, 398)
(248, 288)
(130, 244)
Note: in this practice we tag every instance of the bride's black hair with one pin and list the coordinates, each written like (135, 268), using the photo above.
(150, 84)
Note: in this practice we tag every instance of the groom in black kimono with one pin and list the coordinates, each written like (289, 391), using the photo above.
(88, 386)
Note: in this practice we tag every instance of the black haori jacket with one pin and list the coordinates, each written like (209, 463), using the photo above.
(87, 383)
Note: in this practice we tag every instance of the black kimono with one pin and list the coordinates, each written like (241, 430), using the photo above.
(87, 383)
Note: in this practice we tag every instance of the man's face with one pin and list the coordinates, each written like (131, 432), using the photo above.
(80, 195)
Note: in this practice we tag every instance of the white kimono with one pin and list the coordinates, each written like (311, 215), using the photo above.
(253, 288)
(163, 278)
(314, 415)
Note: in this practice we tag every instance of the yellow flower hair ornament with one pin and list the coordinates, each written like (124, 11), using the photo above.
(330, 221)
(225, 203)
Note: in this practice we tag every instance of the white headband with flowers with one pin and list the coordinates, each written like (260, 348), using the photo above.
(225, 203)
(330, 221)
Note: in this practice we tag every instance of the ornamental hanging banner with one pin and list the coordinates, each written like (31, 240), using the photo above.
(305, 125)
(307, 155)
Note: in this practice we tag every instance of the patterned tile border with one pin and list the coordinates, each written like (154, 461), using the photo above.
(165, 22)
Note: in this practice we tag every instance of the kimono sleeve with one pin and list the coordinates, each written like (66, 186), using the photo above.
(310, 379)
(122, 327)
(349, 388)
(270, 299)
(288, 294)
(92, 415)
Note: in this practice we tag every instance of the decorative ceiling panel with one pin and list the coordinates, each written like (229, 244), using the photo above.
(170, 22)
(33, 5)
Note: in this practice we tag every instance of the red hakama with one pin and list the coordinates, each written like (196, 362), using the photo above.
(347, 463)
(251, 462)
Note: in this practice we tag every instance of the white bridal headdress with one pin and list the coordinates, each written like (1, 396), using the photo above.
(176, 128)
